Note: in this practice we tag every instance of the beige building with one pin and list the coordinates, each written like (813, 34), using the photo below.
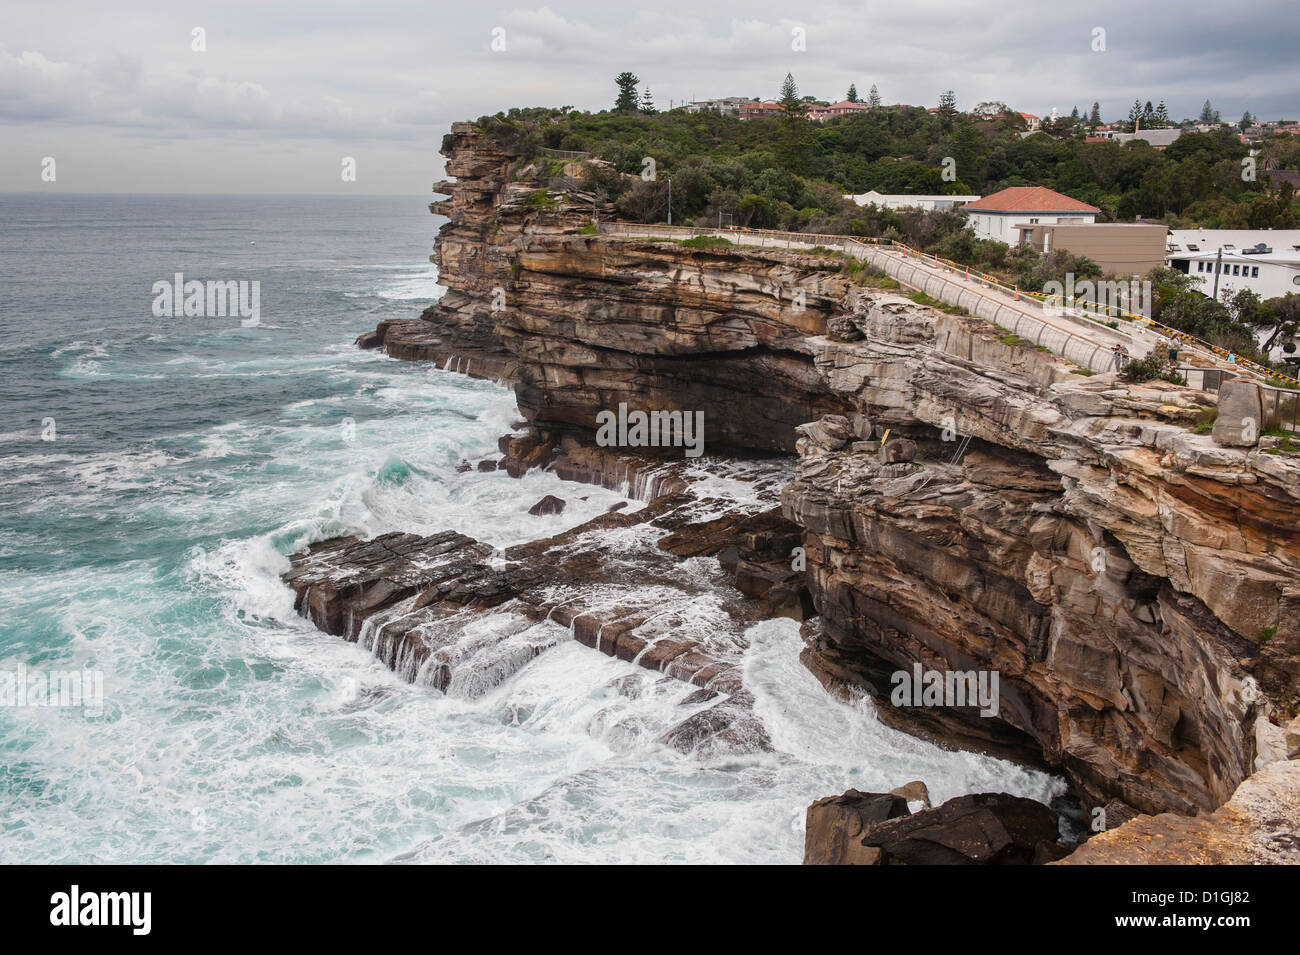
(1120, 248)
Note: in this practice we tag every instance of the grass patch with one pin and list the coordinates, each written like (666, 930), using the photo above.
(588, 230)
(1205, 421)
(860, 272)
(920, 298)
(1267, 634)
(541, 199)
(706, 242)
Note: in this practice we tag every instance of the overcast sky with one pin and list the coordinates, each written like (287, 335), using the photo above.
(117, 95)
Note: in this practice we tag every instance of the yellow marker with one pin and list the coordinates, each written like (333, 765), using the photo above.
(886, 436)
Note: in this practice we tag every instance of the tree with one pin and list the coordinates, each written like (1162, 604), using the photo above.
(627, 98)
(1134, 115)
(873, 98)
(1246, 121)
(648, 102)
(1162, 114)
(1074, 116)
(1209, 115)
(789, 98)
(1094, 117)
(852, 94)
(1281, 316)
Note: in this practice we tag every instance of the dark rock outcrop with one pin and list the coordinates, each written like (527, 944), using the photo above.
(550, 504)
(981, 829)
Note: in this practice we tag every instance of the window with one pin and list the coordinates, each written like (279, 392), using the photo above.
(1254, 271)
(1236, 270)
(1193, 248)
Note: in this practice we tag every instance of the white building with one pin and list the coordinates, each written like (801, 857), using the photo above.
(906, 201)
(1157, 138)
(1266, 261)
(1002, 215)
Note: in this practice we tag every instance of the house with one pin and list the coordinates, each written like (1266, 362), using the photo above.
(907, 201)
(1120, 248)
(727, 106)
(844, 108)
(1002, 215)
(1032, 122)
(757, 110)
(1266, 261)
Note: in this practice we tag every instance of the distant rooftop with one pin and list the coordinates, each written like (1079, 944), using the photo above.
(1029, 199)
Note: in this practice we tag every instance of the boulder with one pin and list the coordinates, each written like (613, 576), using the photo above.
(898, 451)
(1292, 738)
(1270, 743)
(863, 429)
(836, 825)
(914, 791)
(487, 465)
(841, 329)
(1241, 414)
(831, 431)
(547, 505)
(980, 829)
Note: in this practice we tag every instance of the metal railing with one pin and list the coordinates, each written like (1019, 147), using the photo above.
(892, 258)
(572, 154)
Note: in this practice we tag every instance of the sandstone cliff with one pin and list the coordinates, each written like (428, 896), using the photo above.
(1134, 583)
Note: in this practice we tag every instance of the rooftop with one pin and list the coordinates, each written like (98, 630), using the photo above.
(1029, 199)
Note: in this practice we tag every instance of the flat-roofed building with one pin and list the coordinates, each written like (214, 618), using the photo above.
(1266, 261)
(1120, 248)
(908, 201)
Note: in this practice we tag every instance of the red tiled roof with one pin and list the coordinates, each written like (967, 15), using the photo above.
(1028, 199)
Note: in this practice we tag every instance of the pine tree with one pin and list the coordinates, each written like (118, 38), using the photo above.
(648, 102)
(1134, 114)
(789, 99)
(1094, 117)
(1074, 116)
(627, 99)
(873, 98)
(1208, 115)
(1148, 115)
(852, 95)
(1162, 114)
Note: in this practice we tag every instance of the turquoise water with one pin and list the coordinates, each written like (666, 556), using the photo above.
(146, 540)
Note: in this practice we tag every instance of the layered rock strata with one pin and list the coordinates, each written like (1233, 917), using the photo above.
(1134, 583)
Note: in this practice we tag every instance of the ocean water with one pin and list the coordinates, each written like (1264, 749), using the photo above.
(189, 456)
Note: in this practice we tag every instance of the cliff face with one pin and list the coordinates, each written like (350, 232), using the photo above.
(1135, 585)
(1119, 572)
(583, 322)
